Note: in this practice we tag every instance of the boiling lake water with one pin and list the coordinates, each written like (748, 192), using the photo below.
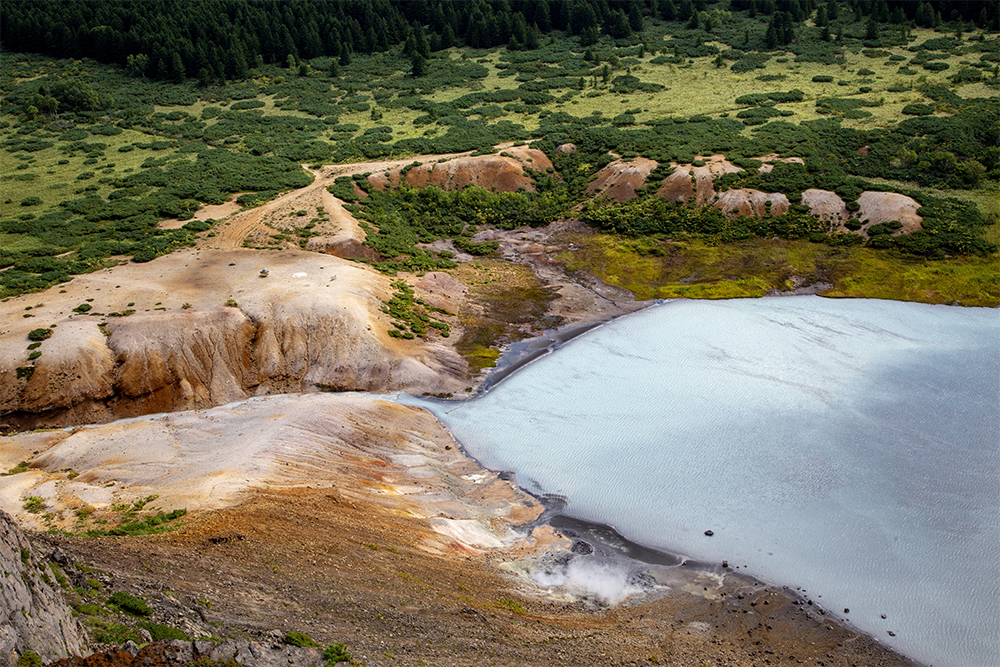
(845, 447)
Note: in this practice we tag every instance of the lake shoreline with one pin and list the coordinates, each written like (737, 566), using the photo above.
(899, 327)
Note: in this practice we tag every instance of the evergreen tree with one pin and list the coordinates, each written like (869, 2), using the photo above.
(345, 55)
(177, 72)
(534, 37)
(589, 36)
(635, 21)
(334, 70)
(617, 25)
(668, 10)
(418, 66)
(686, 10)
(420, 42)
(771, 36)
(871, 29)
(448, 39)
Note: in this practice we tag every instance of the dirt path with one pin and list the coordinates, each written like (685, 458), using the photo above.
(237, 228)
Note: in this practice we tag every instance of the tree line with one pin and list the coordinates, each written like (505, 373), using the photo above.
(218, 40)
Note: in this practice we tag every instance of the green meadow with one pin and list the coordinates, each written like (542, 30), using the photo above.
(94, 155)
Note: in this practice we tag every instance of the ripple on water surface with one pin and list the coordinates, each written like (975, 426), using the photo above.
(848, 447)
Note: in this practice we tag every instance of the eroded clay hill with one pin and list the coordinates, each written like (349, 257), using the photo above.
(502, 173)
(695, 185)
(315, 323)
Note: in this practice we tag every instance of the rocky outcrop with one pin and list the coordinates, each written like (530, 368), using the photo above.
(177, 653)
(501, 173)
(34, 615)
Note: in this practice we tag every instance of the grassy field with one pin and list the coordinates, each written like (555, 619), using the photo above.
(376, 109)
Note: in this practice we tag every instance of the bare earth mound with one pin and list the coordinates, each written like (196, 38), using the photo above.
(620, 179)
(745, 201)
(879, 207)
(695, 185)
(825, 205)
(315, 323)
(357, 446)
(501, 173)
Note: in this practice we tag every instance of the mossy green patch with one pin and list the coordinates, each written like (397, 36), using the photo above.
(693, 269)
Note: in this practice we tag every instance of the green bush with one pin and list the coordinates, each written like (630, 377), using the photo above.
(39, 334)
(936, 66)
(822, 78)
(918, 109)
(31, 201)
(295, 638)
(158, 631)
(336, 653)
(966, 75)
(29, 659)
(246, 104)
(130, 604)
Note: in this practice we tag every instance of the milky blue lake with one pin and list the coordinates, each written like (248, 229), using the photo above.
(847, 447)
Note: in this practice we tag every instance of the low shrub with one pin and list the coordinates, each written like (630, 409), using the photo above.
(295, 638)
(336, 653)
(918, 109)
(39, 334)
(130, 604)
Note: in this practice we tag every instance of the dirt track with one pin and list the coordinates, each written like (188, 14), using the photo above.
(241, 224)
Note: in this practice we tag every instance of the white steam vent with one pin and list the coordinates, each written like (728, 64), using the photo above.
(609, 581)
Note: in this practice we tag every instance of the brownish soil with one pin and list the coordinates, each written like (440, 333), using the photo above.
(502, 173)
(746, 201)
(620, 179)
(302, 560)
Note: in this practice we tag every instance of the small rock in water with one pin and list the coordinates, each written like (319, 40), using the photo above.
(891, 633)
(883, 615)
(725, 563)
(709, 533)
(846, 610)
